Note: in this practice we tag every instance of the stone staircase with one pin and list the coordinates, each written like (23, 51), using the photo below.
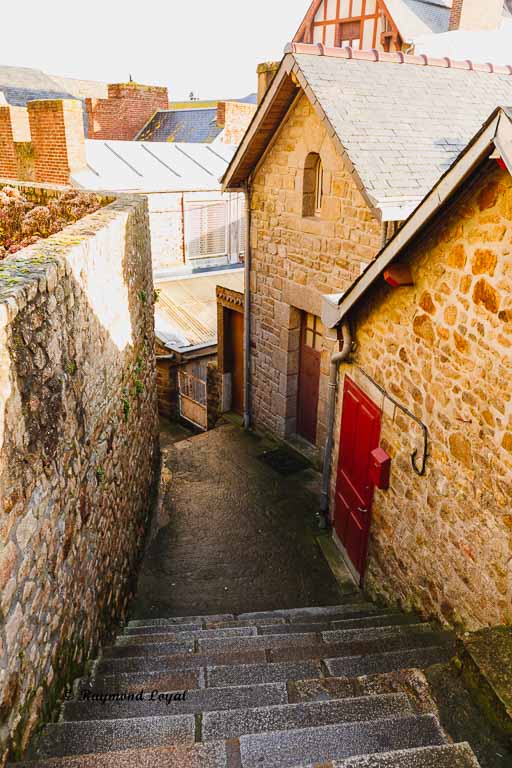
(289, 688)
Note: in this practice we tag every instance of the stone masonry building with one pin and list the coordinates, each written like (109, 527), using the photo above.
(344, 146)
(439, 346)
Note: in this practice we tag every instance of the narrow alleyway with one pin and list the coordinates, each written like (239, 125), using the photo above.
(232, 534)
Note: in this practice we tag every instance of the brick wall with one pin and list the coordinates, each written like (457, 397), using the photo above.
(296, 259)
(126, 110)
(8, 159)
(235, 118)
(57, 131)
(441, 544)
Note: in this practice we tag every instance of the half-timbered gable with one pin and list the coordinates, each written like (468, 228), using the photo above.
(393, 25)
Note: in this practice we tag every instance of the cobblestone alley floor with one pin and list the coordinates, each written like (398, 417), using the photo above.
(232, 535)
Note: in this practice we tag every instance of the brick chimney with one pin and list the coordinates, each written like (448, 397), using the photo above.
(476, 15)
(125, 112)
(266, 72)
(58, 139)
(14, 142)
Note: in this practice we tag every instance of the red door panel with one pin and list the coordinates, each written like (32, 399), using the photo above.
(360, 433)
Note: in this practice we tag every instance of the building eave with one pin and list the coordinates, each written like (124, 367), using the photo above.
(497, 132)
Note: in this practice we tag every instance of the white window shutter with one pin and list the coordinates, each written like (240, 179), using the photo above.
(206, 229)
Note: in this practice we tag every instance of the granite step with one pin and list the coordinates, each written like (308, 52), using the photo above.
(448, 756)
(86, 737)
(389, 620)
(162, 680)
(180, 620)
(170, 637)
(175, 662)
(233, 624)
(357, 648)
(211, 755)
(235, 723)
(285, 749)
(195, 701)
(256, 674)
(416, 658)
(309, 614)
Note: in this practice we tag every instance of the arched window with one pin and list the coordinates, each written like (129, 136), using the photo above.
(313, 187)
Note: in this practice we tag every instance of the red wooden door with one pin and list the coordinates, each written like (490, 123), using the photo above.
(309, 377)
(360, 433)
(237, 367)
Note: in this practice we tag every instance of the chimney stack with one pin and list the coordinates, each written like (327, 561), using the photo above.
(476, 15)
(58, 139)
(266, 72)
(125, 112)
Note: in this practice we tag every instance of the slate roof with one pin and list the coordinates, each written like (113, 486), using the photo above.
(21, 84)
(417, 17)
(125, 166)
(401, 124)
(182, 125)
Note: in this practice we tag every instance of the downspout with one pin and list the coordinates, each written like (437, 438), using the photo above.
(336, 361)
(247, 309)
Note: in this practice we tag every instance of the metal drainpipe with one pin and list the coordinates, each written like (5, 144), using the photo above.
(336, 360)
(247, 308)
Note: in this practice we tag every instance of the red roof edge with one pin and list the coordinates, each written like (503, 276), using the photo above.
(319, 49)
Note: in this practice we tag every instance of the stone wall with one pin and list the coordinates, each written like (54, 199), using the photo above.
(442, 543)
(296, 259)
(78, 450)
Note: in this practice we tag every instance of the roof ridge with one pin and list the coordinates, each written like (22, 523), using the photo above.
(396, 57)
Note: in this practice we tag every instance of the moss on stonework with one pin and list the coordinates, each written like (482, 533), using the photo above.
(486, 662)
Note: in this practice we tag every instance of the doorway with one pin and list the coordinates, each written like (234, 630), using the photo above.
(309, 376)
(360, 435)
(234, 329)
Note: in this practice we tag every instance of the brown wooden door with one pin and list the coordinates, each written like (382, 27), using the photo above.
(237, 361)
(309, 377)
(360, 434)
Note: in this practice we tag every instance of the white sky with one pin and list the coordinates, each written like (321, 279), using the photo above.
(211, 47)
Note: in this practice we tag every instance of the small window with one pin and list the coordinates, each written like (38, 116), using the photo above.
(206, 229)
(313, 187)
(313, 331)
(349, 34)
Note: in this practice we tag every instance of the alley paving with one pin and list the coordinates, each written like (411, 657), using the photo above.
(232, 534)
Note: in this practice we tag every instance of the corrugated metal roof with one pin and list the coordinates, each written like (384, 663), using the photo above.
(153, 167)
(186, 310)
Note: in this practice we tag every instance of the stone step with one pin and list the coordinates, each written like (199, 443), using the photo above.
(161, 680)
(285, 749)
(156, 649)
(180, 620)
(233, 624)
(175, 628)
(199, 700)
(170, 637)
(417, 658)
(308, 614)
(357, 647)
(175, 662)
(211, 755)
(448, 756)
(256, 674)
(306, 638)
(85, 737)
(388, 620)
(235, 723)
